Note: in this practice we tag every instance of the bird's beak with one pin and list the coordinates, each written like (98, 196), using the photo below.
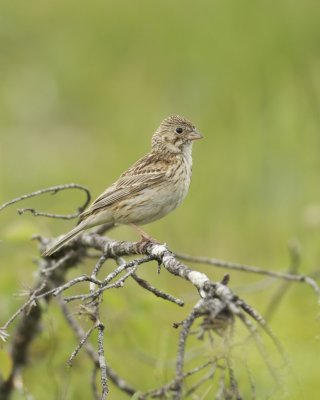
(194, 135)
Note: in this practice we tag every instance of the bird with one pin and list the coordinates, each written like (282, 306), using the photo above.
(150, 189)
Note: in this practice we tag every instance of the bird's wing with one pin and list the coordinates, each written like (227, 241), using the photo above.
(128, 184)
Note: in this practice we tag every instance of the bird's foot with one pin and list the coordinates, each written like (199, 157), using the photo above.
(145, 238)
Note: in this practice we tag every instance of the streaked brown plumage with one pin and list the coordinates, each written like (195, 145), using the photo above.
(154, 186)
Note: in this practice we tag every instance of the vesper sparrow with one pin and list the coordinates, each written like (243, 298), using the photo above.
(155, 185)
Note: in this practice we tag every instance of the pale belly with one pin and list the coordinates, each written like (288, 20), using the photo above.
(150, 204)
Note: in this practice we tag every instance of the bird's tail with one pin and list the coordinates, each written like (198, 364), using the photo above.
(64, 239)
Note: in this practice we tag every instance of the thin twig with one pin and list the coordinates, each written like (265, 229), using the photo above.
(91, 352)
(260, 346)
(94, 383)
(31, 301)
(184, 333)
(233, 381)
(53, 190)
(198, 384)
(102, 362)
(252, 384)
(96, 270)
(119, 283)
(218, 307)
(295, 258)
(146, 285)
(252, 269)
(263, 324)
(165, 389)
(83, 278)
(124, 266)
(103, 285)
(80, 345)
(57, 264)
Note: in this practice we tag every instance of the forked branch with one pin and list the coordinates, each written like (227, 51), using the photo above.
(215, 316)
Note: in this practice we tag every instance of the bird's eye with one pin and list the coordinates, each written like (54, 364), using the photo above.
(179, 130)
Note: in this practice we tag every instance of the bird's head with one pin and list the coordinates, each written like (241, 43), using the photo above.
(175, 135)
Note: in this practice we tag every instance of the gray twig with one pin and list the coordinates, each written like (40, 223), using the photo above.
(252, 269)
(80, 345)
(53, 190)
(295, 259)
(218, 308)
(92, 353)
(146, 285)
(102, 362)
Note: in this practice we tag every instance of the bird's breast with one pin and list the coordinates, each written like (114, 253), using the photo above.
(156, 201)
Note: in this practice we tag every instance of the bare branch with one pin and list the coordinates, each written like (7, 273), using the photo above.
(167, 388)
(80, 345)
(92, 353)
(34, 295)
(146, 285)
(216, 312)
(295, 258)
(251, 269)
(102, 362)
(53, 190)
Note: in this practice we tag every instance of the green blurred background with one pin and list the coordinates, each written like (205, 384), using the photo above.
(84, 84)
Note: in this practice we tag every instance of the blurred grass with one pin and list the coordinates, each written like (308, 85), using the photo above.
(83, 86)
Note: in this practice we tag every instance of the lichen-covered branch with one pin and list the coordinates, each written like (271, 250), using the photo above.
(216, 314)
